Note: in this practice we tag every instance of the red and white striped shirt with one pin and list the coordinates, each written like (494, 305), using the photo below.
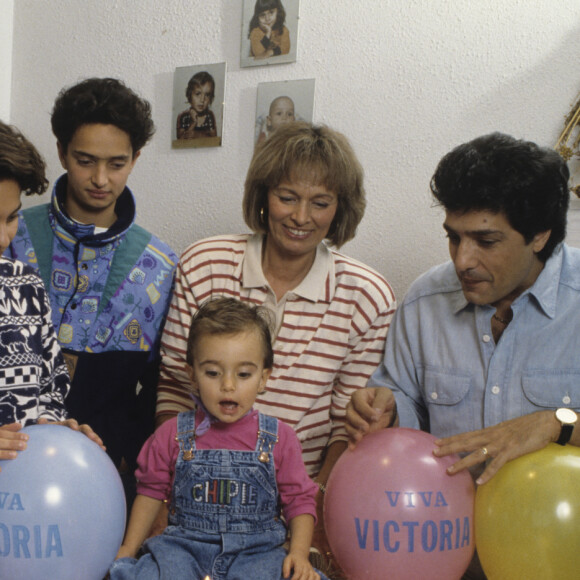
(330, 341)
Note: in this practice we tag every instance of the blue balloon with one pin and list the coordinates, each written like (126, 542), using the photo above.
(62, 508)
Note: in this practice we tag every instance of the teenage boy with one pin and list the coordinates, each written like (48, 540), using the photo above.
(108, 279)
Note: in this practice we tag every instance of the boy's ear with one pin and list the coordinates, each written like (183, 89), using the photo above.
(61, 155)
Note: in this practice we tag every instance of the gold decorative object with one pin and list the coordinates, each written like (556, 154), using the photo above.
(568, 145)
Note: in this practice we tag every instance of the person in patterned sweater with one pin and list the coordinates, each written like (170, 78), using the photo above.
(109, 280)
(33, 375)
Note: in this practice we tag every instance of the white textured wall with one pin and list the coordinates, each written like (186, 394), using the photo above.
(404, 80)
(6, 28)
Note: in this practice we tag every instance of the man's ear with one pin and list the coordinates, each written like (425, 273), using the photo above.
(540, 240)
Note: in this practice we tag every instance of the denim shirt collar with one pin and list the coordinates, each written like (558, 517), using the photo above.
(545, 288)
(125, 210)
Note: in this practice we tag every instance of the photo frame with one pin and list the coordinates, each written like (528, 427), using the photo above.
(269, 32)
(198, 105)
(282, 102)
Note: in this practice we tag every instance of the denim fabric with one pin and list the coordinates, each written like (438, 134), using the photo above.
(224, 516)
(221, 491)
(448, 374)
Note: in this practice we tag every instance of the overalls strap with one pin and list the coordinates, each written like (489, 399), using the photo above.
(185, 435)
(267, 434)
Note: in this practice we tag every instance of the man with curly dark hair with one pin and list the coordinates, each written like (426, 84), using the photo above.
(108, 279)
(483, 351)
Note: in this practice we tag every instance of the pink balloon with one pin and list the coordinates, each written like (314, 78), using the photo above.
(392, 511)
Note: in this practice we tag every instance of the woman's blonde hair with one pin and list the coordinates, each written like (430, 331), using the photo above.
(315, 154)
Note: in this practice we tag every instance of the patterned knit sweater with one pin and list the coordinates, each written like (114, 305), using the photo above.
(33, 376)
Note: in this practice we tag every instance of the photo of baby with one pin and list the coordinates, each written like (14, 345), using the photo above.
(283, 102)
(269, 32)
(281, 112)
(199, 125)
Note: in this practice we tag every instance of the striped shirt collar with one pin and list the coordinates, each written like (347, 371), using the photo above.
(317, 285)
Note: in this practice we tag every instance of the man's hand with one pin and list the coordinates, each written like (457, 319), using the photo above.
(500, 443)
(369, 410)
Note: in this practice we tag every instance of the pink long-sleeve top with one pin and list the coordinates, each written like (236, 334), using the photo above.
(157, 459)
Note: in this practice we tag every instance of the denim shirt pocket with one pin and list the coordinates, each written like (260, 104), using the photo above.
(445, 391)
(552, 388)
(445, 386)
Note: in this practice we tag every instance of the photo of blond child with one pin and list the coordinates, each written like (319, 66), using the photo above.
(199, 120)
(198, 125)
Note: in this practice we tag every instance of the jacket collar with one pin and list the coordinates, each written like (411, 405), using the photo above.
(125, 210)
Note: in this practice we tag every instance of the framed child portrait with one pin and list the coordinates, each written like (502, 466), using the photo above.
(269, 32)
(198, 104)
(282, 102)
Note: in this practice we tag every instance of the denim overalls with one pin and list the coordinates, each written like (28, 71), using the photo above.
(224, 515)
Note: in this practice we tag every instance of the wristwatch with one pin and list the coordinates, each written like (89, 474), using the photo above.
(567, 419)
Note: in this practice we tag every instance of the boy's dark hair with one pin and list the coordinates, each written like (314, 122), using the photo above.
(105, 101)
(198, 80)
(498, 173)
(20, 161)
(262, 6)
(223, 316)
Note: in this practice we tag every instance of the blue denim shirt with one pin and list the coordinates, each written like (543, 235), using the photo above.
(446, 371)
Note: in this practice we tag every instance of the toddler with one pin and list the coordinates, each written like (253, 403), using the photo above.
(234, 476)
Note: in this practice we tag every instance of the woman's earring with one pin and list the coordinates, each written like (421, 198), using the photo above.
(262, 215)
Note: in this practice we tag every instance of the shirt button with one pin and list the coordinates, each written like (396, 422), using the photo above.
(434, 396)
(73, 306)
(486, 338)
(84, 266)
(566, 400)
(495, 389)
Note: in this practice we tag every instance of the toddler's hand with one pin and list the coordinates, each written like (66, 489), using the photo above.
(124, 552)
(301, 567)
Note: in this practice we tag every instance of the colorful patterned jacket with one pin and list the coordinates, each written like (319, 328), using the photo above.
(110, 293)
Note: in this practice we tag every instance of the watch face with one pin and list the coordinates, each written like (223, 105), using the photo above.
(566, 416)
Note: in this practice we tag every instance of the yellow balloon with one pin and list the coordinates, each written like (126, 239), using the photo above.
(527, 518)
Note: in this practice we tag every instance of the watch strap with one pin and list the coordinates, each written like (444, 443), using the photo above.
(565, 434)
